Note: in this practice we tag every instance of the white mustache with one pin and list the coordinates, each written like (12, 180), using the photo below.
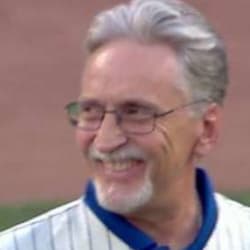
(126, 153)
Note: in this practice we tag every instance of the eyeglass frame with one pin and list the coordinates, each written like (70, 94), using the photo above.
(119, 117)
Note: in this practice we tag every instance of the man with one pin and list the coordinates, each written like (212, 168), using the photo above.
(149, 108)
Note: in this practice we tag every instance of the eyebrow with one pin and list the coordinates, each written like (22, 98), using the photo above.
(137, 102)
(90, 100)
(128, 101)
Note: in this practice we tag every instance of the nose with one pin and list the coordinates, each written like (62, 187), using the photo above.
(109, 136)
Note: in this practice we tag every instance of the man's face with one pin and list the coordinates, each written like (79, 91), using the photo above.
(135, 171)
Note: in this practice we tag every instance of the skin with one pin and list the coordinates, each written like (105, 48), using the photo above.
(123, 70)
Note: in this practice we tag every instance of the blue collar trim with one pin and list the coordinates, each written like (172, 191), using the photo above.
(209, 210)
(139, 240)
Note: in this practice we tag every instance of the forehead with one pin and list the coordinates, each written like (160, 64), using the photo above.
(128, 69)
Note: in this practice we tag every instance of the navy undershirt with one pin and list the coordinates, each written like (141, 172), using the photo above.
(138, 239)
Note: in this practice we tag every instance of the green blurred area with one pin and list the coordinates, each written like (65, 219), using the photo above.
(242, 197)
(14, 214)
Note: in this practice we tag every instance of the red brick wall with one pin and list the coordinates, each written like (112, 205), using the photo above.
(40, 64)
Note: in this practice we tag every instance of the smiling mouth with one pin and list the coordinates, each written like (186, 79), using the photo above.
(120, 166)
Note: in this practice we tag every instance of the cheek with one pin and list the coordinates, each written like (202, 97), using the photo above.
(174, 145)
(83, 139)
(158, 147)
(180, 140)
(164, 139)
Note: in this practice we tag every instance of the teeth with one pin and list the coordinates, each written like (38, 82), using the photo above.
(119, 166)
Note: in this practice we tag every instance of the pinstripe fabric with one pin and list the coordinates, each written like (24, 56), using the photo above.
(89, 235)
(15, 241)
(33, 236)
(75, 227)
(51, 236)
(109, 240)
(232, 231)
(70, 229)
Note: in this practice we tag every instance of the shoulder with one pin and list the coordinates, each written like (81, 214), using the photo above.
(233, 225)
(42, 229)
(228, 207)
(71, 226)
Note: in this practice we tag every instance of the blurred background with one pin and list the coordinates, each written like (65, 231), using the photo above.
(41, 60)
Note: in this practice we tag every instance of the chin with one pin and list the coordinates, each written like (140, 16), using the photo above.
(123, 199)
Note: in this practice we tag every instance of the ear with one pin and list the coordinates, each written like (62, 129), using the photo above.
(209, 130)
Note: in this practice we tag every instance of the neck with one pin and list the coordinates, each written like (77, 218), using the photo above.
(174, 219)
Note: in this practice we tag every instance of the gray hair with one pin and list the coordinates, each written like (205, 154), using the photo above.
(199, 48)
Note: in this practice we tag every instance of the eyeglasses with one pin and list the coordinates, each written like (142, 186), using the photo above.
(132, 118)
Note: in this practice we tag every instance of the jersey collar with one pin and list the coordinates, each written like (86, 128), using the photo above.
(139, 240)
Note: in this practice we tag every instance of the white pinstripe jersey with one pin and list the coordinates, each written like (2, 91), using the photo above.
(84, 225)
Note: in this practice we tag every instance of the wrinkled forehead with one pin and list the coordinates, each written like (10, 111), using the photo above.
(126, 59)
(126, 52)
(127, 68)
